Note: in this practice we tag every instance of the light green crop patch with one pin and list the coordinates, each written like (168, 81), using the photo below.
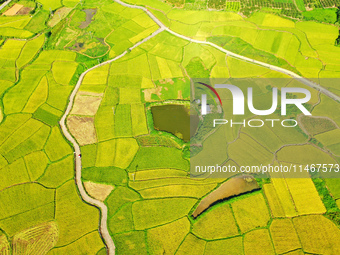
(72, 211)
(116, 152)
(57, 152)
(57, 173)
(30, 49)
(63, 71)
(34, 204)
(129, 95)
(151, 213)
(50, 4)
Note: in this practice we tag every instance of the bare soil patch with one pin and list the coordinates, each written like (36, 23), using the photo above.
(98, 191)
(86, 105)
(24, 10)
(82, 128)
(148, 93)
(89, 15)
(13, 10)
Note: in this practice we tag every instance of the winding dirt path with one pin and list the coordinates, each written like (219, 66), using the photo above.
(4, 4)
(103, 209)
(234, 55)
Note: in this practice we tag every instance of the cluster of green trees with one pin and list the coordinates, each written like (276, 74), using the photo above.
(329, 3)
(217, 4)
(287, 9)
(312, 4)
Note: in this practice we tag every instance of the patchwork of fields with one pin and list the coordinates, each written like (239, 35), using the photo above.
(141, 174)
(145, 206)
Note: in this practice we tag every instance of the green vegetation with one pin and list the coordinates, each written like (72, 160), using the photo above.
(150, 213)
(38, 22)
(73, 212)
(239, 46)
(152, 195)
(95, 30)
(216, 4)
(247, 212)
(166, 158)
(34, 206)
(216, 224)
(316, 226)
(35, 158)
(30, 49)
(321, 15)
(316, 126)
(56, 152)
(233, 6)
(56, 174)
(108, 175)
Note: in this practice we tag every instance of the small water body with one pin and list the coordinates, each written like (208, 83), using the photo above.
(174, 119)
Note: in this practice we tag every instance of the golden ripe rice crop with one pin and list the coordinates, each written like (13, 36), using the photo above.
(251, 212)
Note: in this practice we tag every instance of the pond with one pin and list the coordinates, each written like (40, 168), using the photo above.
(174, 119)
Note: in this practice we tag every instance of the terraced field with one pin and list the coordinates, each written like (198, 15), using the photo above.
(139, 173)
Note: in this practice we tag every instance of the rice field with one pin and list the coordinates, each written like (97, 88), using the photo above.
(216, 224)
(34, 154)
(251, 212)
(151, 198)
(284, 235)
(154, 212)
(176, 231)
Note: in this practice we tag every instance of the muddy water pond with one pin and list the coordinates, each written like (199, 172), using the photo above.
(174, 119)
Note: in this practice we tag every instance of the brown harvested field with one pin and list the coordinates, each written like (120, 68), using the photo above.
(233, 187)
(98, 191)
(86, 105)
(37, 240)
(4, 245)
(317, 125)
(24, 10)
(83, 129)
(13, 10)
(148, 93)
